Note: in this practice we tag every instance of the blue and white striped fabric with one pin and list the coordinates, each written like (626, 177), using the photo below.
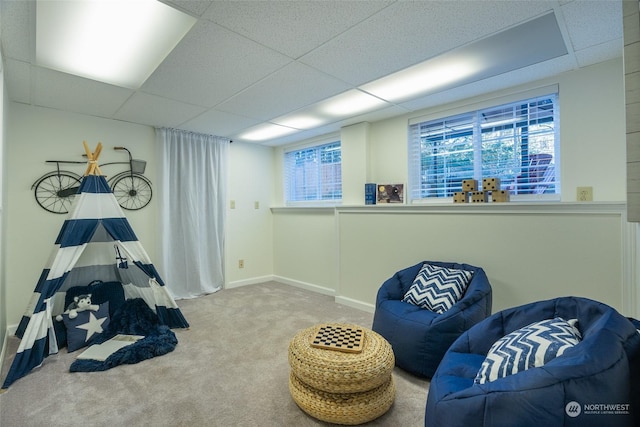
(437, 288)
(528, 347)
(91, 240)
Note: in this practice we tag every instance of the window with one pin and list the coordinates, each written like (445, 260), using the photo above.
(314, 173)
(516, 142)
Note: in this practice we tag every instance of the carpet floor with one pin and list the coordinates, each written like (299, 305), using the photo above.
(230, 368)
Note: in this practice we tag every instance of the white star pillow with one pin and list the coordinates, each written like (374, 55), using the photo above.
(84, 327)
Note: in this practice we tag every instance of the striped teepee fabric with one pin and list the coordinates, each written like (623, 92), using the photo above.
(92, 245)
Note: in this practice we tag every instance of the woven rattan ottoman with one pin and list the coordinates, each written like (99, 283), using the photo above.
(339, 387)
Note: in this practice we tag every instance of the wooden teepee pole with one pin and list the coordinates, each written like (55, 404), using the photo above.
(92, 165)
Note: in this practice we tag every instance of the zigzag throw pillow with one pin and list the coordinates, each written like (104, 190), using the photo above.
(437, 288)
(528, 347)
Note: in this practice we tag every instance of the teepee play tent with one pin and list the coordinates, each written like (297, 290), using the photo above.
(95, 243)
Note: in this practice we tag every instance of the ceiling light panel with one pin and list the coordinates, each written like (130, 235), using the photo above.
(120, 42)
(299, 121)
(422, 78)
(350, 103)
(266, 132)
(534, 41)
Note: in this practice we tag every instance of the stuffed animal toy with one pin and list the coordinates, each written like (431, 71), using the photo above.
(79, 303)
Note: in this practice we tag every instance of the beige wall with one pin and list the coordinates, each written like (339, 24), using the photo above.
(3, 196)
(592, 132)
(249, 234)
(592, 123)
(530, 252)
(305, 248)
(36, 134)
(631, 24)
(344, 253)
(33, 136)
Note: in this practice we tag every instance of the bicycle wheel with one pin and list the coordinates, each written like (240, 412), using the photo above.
(132, 191)
(54, 192)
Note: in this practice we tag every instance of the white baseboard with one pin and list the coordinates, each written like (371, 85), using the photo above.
(307, 286)
(370, 308)
(252, 281)
(3, 351)
(11, 330)
(304, 285)
(296, 283)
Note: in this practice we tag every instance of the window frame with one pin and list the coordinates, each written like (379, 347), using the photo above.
(316, 144)
(414, 146)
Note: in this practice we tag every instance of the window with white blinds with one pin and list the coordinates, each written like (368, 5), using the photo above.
(313, 173)
(517, 142)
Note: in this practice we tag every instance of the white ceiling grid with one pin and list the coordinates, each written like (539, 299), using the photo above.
(245, 63)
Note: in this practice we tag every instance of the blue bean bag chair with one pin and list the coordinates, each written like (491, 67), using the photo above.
(588, 384)
(419, 336)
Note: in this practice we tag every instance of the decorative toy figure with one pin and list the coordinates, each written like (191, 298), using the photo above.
(79, 303)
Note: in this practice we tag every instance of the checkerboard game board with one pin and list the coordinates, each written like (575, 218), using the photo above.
(331, 337)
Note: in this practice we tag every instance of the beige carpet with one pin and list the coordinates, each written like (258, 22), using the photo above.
(229, 369)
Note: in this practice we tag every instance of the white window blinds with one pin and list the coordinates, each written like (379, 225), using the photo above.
(516, 142)
(313, 173)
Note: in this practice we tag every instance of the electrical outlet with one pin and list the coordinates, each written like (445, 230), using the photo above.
(241, 263)
(232, 204)
(584, 194)
(256, 205)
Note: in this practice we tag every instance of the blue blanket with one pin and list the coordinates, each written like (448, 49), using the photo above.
(134, 317)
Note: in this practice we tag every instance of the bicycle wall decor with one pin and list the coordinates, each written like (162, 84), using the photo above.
(54, 191)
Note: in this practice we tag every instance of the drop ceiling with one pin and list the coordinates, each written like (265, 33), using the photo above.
(249, 63)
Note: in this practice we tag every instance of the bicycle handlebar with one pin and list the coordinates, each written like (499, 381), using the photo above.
(65, 161)
(125, 149)
(84, 155)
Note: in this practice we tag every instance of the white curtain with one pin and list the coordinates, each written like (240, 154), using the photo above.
(192, 195)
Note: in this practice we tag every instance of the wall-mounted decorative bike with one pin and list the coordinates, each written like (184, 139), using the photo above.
(54, 190)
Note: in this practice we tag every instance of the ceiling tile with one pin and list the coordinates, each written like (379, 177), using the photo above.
(534, 41)
(71, 93)
(593, 22)
(302, 135)
(274, 23)
(381, 114)
(292, 87)
(156, 111)
(18, 80)
(210, 65)
(262, 60)
(493, 84)
(194, 7)
(373, 116)
(600, 53)
(18, 29)
(411, 32)
(219, 123)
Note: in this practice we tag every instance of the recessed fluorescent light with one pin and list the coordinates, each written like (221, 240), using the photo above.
(267, 132)
(350, 103)
(299, 122)
(421, 78)
(533, 42)
(120, 42)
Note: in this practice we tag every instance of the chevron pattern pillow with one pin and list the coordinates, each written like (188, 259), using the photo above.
(437, 288)
(528, 347)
